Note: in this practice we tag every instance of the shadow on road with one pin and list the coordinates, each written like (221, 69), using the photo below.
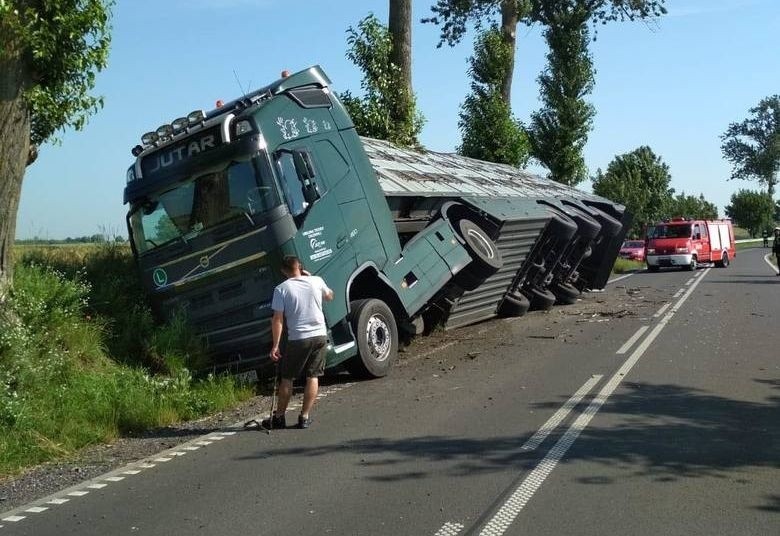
(661, 432)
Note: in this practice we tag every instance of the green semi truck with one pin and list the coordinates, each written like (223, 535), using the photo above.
(407, 239)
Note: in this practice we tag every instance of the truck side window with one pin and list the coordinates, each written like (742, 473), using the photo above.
(696, 232)
(293, 190)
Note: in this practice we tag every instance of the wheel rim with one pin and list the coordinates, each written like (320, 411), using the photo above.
(480, 243)
(378, 337)
(725, 259)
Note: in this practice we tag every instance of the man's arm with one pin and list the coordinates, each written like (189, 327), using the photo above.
(327, 293)
(277, 324)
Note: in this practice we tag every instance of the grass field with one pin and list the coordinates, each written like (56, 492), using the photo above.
(82, 361)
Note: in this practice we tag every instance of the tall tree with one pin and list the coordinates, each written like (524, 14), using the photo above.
(560, 129)
(489, 130)
(50, 54)
(751, 210)
(753, 145)
(640, 181)
(376, 114)
(691, 206)
(454, 16)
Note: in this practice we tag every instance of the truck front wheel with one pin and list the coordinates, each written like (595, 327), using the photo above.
(376, 334)
(694, 264)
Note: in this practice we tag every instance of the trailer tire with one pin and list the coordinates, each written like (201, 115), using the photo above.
(486, 258)
(565, 294)
(376, 334)
(723, 262)
(514, 304)
(541, 299)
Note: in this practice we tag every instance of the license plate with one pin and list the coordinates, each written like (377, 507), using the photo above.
(250, 376)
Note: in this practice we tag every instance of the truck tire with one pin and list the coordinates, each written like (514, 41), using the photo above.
(565, 294)
(541, 300)
(694, 264)
(514, 304)
(376, 334)
(486, 258)
(723, 262)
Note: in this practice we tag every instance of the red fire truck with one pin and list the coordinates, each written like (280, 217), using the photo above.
(687, 243)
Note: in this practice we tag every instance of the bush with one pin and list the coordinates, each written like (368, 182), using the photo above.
(62, 385)
(623, 266)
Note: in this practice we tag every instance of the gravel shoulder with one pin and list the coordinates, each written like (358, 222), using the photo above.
(561, 325)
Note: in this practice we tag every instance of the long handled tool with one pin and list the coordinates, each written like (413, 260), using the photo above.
(253, 423)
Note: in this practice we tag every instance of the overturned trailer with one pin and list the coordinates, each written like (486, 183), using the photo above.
(554, 240)
(217, 199)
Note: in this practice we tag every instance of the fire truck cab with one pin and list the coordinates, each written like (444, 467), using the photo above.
(687, 243)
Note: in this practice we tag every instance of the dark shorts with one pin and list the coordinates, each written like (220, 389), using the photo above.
(304, 356)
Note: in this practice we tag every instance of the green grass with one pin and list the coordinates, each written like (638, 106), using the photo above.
(82, 362)
(623, 266)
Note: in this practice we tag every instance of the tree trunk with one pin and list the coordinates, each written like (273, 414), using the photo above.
(509, 18)
(14, 151)
(400, 28)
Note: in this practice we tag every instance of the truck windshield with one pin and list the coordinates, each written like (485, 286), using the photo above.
(238, 190)
(672, 231)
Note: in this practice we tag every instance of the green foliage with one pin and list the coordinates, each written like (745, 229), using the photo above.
(640, 181)
(753, 146)
(752, 210)
(386, 110)
(60, 390)
(560, 129)
(490, 132)
(62, 45)
(454, 16)
(691, 206)
(624, 266)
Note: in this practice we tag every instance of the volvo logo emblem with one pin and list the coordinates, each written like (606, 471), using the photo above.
(204, 261)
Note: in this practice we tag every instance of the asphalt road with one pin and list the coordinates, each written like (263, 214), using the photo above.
(650, 409)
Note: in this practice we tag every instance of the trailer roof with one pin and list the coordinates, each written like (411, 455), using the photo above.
(409, 172)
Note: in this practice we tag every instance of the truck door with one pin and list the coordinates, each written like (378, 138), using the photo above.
(322, 235)
(705, 248)
(696, 242)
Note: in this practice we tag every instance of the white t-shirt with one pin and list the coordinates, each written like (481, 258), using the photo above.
(300, 299)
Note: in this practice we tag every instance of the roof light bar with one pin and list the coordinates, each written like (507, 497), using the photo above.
(164, 131)
(196, 117)
(149, 138)
(180, 124)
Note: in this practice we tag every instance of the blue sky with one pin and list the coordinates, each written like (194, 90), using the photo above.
(674, 84)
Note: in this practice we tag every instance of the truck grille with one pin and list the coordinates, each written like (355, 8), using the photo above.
(515, 241)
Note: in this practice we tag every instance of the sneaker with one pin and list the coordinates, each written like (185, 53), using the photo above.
(273, 423)
(303, 422)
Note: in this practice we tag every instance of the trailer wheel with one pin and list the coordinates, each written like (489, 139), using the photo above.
(514, 304)
(565, 294)
(724, 262)
(376, 334)
(486, 258)
(541, 299)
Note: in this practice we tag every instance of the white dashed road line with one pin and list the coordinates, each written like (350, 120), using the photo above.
(630, 342)
(616, 279)
(511, 508)
(678, 293)
(560, 415)
(449, 529)
(662, 310)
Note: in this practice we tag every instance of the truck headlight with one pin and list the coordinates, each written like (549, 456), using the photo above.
(651, 251)
(682, 250)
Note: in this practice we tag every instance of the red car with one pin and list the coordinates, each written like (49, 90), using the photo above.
(633, 250)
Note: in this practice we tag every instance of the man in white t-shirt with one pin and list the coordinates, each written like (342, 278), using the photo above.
(298, 301)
